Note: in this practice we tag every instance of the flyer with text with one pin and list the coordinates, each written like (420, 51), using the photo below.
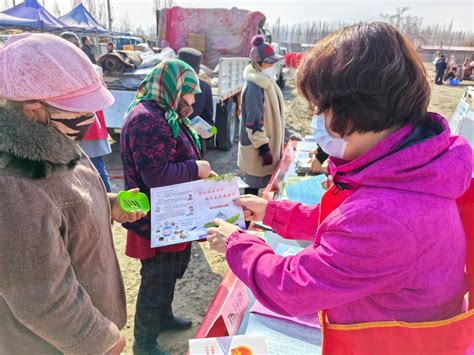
(182, 213)
(236, 345)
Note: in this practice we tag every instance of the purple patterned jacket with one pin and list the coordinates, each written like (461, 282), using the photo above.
(152, 157)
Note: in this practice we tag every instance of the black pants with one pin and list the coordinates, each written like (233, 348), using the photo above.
(156, 293)
(439, 78)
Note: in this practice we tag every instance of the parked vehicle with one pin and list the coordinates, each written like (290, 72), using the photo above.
(120, 42)
(226, 89)
(223, 37)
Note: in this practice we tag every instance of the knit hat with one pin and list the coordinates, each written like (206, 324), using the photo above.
(192, 57)
(263, 52)
(48, 68)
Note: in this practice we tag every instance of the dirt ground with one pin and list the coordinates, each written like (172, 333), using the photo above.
(207, 268)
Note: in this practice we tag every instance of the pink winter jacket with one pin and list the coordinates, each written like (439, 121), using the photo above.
(394, 250)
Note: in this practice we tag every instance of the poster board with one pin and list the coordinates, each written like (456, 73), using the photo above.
(462, 121)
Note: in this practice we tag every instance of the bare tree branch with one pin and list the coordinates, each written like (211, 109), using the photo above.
(56, 10)
(4, 4)
(125, 23)
(162, 4)
(411, 26)
(98, 9)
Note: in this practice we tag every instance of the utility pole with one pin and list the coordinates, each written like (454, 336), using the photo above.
(109, 12)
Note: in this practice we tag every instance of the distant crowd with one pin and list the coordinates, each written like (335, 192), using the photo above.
(448, 71)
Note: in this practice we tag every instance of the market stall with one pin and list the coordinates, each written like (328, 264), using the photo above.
(7, 21)
(81, 20)
(32, 10)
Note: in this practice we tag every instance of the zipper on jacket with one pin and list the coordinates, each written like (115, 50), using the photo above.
(340, 187)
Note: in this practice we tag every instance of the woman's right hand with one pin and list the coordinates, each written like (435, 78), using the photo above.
(254, 207)
(204, 169)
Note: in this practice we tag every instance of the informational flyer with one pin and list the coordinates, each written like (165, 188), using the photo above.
(310, 320)
(283, 337)
(236, 345)
(182, 213)
(307, 191)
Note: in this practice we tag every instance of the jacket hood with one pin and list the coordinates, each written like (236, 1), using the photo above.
(424, 159)
(257, 77)
(27, 141)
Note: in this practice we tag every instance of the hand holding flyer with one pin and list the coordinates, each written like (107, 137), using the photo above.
(182, 213)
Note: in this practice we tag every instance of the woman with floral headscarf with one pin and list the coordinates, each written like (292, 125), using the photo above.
(159, 148)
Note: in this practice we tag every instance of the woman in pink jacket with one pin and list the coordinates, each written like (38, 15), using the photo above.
(393, 246)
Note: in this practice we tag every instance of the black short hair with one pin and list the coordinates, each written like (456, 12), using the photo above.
(71, 37)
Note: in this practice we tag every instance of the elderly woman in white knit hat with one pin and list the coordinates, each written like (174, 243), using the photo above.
(61, 290)
(262, 127)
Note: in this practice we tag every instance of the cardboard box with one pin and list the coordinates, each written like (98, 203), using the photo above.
(197, 41)
(128, 47)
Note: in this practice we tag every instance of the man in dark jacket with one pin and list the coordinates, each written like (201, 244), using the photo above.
(87, 49)
(440, 69)
(110, 47)
(203, 106)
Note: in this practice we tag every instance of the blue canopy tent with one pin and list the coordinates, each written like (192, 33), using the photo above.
(81, 19)
(32, 10)
(7, 21)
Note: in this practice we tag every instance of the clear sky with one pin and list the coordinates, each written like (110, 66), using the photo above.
(461, 12)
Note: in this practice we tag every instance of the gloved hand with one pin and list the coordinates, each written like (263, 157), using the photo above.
(267, 159)
(264, 152)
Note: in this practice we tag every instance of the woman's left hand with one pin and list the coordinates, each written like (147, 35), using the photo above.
(120, 216)
(217, 236)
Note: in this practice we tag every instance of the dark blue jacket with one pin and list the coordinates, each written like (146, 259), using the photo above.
(203, 106)
(441, 65)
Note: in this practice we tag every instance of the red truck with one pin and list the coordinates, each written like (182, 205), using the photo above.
(223, 36)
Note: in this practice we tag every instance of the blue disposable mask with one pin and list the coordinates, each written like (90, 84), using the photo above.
(333, 146)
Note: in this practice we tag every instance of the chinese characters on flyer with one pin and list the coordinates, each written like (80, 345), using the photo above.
(183, 212)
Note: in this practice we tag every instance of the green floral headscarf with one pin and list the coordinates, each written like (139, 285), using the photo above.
(168, 81)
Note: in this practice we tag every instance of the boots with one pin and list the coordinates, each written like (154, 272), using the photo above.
(175, 323)
(155, 349)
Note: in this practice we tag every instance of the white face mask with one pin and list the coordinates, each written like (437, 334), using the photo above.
(270, 72)
(333, 146)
